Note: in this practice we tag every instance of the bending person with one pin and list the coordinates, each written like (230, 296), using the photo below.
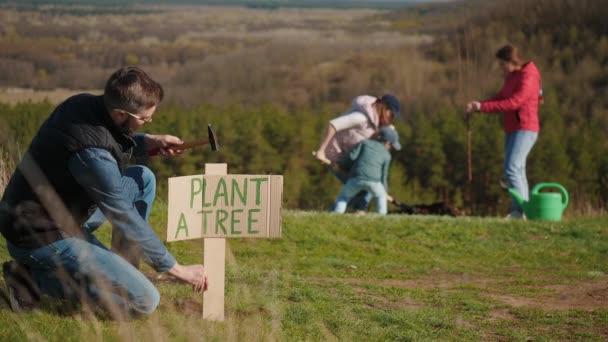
(367, 115)
(518, 100)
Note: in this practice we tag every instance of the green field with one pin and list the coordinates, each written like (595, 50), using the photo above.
(370, 278)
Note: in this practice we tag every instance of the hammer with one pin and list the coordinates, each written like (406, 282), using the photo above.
(211, 140)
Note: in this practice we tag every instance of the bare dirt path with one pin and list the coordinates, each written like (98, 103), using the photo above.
(587, 295)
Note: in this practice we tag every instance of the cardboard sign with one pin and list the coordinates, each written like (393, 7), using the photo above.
(224, 206)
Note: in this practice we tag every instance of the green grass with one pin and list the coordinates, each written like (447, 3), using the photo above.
(394, 278)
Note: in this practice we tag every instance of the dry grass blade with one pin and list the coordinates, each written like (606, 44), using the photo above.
(7, 166)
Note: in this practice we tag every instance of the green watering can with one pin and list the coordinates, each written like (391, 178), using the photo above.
(547, 206)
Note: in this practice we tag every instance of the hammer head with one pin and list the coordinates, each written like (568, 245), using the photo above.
(212, 138)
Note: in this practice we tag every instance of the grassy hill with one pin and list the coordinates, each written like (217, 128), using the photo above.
(375, 278)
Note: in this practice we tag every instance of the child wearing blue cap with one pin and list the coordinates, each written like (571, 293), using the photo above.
(368, 163)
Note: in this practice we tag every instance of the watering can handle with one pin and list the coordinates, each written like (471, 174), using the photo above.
(565, 198)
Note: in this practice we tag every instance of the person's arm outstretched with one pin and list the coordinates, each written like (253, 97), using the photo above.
(96, 170)
(338, 124)
(329, 133)
(194, 275)
(168, 145)
(528, 88)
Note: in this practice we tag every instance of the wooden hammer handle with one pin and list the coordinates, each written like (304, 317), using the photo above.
(190, 144)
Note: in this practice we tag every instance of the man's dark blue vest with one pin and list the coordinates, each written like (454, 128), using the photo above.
(80, 122)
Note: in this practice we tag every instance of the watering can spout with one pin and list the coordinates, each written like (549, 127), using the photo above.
(518, 198)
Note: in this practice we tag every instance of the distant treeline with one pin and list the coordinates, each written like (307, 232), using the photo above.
(261, 4)
(431, 167)
(270, 104)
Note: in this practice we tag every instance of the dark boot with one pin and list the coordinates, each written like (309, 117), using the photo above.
(23, 293)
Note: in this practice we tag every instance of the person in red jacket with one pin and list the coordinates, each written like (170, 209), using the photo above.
(518, 101)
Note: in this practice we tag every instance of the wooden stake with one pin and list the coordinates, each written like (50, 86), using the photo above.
(469, 150)
(214, 260)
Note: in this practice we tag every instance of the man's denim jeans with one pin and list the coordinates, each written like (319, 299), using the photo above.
(353, 186)
(517, 147)
(77, 269)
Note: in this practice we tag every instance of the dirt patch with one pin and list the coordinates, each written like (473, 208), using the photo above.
(425, 283)
(587, 295)
(376, 301)
(580, 296)
(185, 305)
(501, 315)
(464, 323)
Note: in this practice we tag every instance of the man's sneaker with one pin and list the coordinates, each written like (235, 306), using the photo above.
(22, 291)
(516, 215)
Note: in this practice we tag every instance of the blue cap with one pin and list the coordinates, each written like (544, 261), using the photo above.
(393, 104)
(389, 133)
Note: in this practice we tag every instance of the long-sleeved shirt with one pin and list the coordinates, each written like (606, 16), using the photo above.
(518, 100)
(352, 127)
(369, 160)
(97, 172)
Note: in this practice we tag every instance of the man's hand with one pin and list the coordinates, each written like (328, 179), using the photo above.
(473, 106)
(389, 198)
(194, 275)
(168, 145)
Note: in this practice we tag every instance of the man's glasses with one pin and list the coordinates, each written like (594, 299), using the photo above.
(145, 120)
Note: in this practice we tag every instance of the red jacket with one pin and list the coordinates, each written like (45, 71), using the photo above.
(518, 100)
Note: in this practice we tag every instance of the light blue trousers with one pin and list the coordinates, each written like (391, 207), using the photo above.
(77, 269)
(517, 147)
(353, 186)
